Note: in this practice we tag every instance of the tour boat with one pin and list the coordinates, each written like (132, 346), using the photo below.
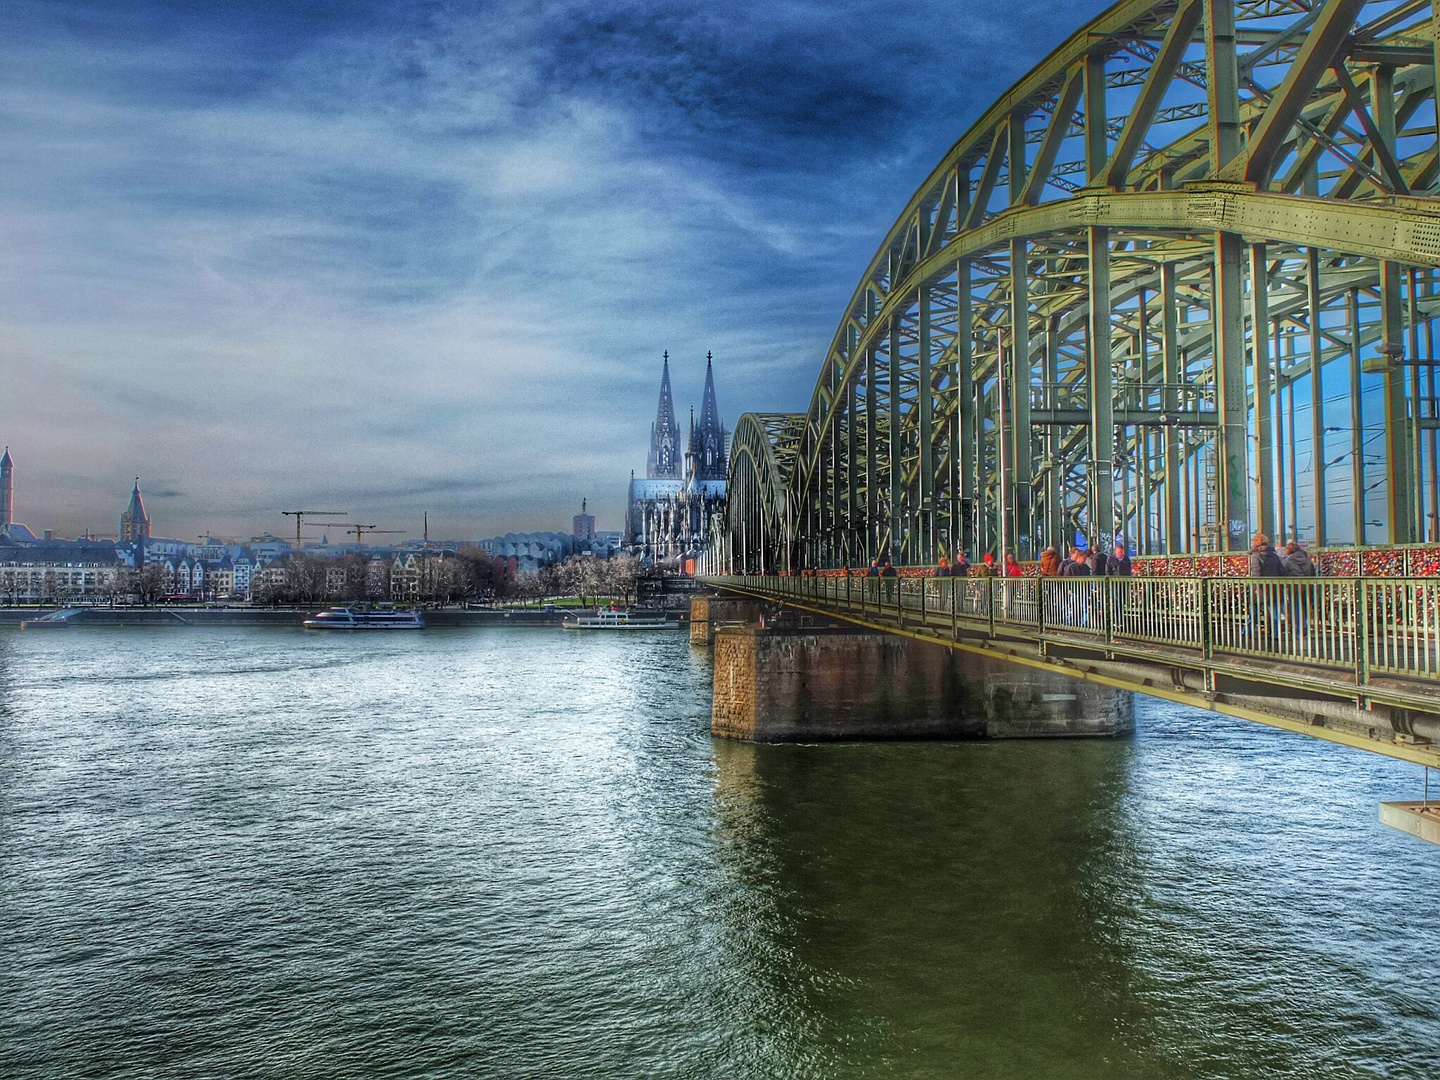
(615, 620)
(366, 618)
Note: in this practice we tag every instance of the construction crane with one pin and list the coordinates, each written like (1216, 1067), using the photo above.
(359, 531)
(298, 515)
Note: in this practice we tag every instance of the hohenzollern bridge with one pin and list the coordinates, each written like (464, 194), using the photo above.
(1175, 287)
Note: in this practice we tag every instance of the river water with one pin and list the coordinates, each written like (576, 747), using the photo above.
(518, 853)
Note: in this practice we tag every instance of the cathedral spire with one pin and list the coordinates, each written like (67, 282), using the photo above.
(664, 461)
(709, 411)
(709, 446)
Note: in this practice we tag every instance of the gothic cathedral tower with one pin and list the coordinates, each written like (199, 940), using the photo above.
(664, 460)
(709, 447)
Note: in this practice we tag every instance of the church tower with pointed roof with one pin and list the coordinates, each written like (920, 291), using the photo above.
(664, 460)
(709, 442)
(7, 491)
(134, 522)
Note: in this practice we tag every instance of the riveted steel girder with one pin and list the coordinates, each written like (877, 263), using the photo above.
(1104, 310)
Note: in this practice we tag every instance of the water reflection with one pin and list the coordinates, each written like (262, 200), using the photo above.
(939, 902)
(1155, 907)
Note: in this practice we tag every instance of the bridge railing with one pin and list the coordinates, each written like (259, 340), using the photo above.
(1073, 604)
(1401, 626)
(1158, 611)
(1368, 626)
(1307, 622)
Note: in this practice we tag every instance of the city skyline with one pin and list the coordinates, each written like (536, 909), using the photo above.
(409, 257)
(134, 515)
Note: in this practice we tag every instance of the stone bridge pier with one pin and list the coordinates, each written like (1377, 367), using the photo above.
(779, 684)
(709, 612)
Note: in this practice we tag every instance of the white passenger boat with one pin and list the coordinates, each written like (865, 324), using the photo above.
(383, 617)
(615, 620)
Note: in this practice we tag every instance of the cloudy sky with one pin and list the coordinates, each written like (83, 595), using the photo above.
(393, 257)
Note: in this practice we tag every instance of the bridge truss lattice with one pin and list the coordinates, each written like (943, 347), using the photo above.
(1177, 284)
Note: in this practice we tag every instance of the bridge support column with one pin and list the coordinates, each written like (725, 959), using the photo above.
(707, 612)
(821, 685)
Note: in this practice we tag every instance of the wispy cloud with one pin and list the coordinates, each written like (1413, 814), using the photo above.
(410, 257)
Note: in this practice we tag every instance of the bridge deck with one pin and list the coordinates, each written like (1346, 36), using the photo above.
(1353, 660)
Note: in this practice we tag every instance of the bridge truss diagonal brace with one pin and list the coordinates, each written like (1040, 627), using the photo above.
(1315, 56)
(1157, 81)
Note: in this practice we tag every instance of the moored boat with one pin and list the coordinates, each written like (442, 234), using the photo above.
(384, 617)
(612, 619)
(63, 617)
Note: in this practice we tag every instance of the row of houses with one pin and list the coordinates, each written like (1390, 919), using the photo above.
(400, 576)
(37, 581)
(52, 570)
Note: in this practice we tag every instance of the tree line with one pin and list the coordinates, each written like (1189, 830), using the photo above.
(469, 574)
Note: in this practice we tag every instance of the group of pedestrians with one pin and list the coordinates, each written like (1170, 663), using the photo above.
(988, 567)
(1081, 563)
(1266, 562)
(1078, 563)
(959, 568)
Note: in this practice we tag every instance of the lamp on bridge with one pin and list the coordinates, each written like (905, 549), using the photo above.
(1390, 355)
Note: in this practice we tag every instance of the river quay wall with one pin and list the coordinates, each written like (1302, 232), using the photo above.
(237, 616)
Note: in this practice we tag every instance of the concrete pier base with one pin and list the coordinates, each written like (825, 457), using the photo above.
(1421, 820)
(708, 612)
(836, 684)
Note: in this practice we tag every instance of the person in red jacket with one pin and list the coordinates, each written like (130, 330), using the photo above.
(1012, 567)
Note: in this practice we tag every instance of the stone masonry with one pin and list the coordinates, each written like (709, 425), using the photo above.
(708, 612)
(835, 684)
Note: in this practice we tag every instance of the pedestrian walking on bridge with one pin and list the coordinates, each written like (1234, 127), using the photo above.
(1265, 609)
(1049, 563)
(1297, 562)
(1075, 565)
(1118, 565)
(1264, 562)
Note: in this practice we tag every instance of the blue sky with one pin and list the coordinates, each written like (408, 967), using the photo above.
(396, 257)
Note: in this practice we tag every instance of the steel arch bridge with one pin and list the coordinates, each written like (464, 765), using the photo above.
(1178, 283)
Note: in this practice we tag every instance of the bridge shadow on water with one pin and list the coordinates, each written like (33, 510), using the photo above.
(934, 906)
(992, 910)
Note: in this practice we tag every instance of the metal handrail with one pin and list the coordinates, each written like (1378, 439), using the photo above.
(1368, 626)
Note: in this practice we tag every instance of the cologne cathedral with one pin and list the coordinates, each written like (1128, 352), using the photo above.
(670, 512)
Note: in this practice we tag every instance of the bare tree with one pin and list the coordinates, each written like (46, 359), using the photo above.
(146, 583)
(622, 574)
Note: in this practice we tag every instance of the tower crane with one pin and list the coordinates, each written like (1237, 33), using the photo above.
(359, 531)
(298, 515)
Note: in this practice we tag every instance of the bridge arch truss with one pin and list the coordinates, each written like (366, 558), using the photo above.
(1114, 305)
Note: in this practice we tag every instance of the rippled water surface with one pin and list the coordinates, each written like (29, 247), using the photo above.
(517, 853)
